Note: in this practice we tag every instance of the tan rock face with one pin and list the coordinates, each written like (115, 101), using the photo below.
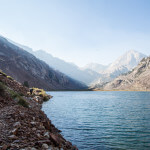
(137, 79)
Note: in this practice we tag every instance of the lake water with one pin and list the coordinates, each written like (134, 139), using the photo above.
(102, 120)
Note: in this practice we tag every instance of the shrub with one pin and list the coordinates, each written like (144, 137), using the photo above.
(21, 94)
(9, 77)
(23, 102)
(13, 94)
(45, 98)
(3, 73)
(26, 84)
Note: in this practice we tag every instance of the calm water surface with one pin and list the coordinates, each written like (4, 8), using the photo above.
(102, 120)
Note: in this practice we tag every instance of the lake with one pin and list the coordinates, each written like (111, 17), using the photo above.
(95, 120)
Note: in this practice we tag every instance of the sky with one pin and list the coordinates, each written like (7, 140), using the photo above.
(78, 31)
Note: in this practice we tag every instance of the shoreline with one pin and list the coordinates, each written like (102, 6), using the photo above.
(23, 125)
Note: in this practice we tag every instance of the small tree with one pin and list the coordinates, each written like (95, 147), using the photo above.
(26, 84)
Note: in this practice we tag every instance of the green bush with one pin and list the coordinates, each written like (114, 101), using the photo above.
(45, 98)
(9, 77)
(21, 94)
(26, 84)
(3, 74)
(13, 94)
(23, 102)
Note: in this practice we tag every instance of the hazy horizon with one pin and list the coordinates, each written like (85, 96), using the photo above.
(76, 31)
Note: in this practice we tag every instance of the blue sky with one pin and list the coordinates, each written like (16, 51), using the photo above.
(78, 31)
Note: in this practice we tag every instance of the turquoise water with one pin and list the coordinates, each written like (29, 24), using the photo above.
(102, 120)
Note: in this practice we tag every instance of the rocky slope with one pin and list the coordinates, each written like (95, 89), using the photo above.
(23, 126)
(23, 66)
(137, 79)
(122, 65)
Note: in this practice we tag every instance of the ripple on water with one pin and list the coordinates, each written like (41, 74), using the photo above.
(102, 120)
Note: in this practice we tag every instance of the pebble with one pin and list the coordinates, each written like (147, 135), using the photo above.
(45, 146)
(46, 134)
(17, 124)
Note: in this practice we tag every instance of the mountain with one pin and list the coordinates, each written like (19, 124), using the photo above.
(125, 63)
(23, 66)
(93, 74)
(122, 65)
(95, 67)
(137, 79)
(86, 76)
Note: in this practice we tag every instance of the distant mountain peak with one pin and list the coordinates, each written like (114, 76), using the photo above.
(129, 60)
(137, 79)
(123, 64)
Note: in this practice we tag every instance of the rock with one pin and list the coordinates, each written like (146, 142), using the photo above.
(12, 137)
(34, 129)
(41, 127)
(33, 148)
(46, 134)
(17, 124)
(45, 146)
(46, 125)
(4, 147)
(39, 143)
(38, 135)
(16, 141)
(55, 139)
(14, 131)
(33, 123)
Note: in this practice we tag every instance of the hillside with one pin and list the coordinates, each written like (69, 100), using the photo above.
(137, 79)
(22, 123)
(23, 66)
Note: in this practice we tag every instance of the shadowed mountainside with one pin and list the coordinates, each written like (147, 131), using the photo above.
(23, 66)
(84, 75)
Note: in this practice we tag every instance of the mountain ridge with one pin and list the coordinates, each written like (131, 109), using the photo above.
(92, 74)
(85, 76)
(23, 66)
(123, 64)
(138, 79)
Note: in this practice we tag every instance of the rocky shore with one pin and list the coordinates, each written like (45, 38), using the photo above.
(23, 125)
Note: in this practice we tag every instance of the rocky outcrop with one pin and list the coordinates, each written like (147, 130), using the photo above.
(137, 79)
(23, 125)
(23, 66)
